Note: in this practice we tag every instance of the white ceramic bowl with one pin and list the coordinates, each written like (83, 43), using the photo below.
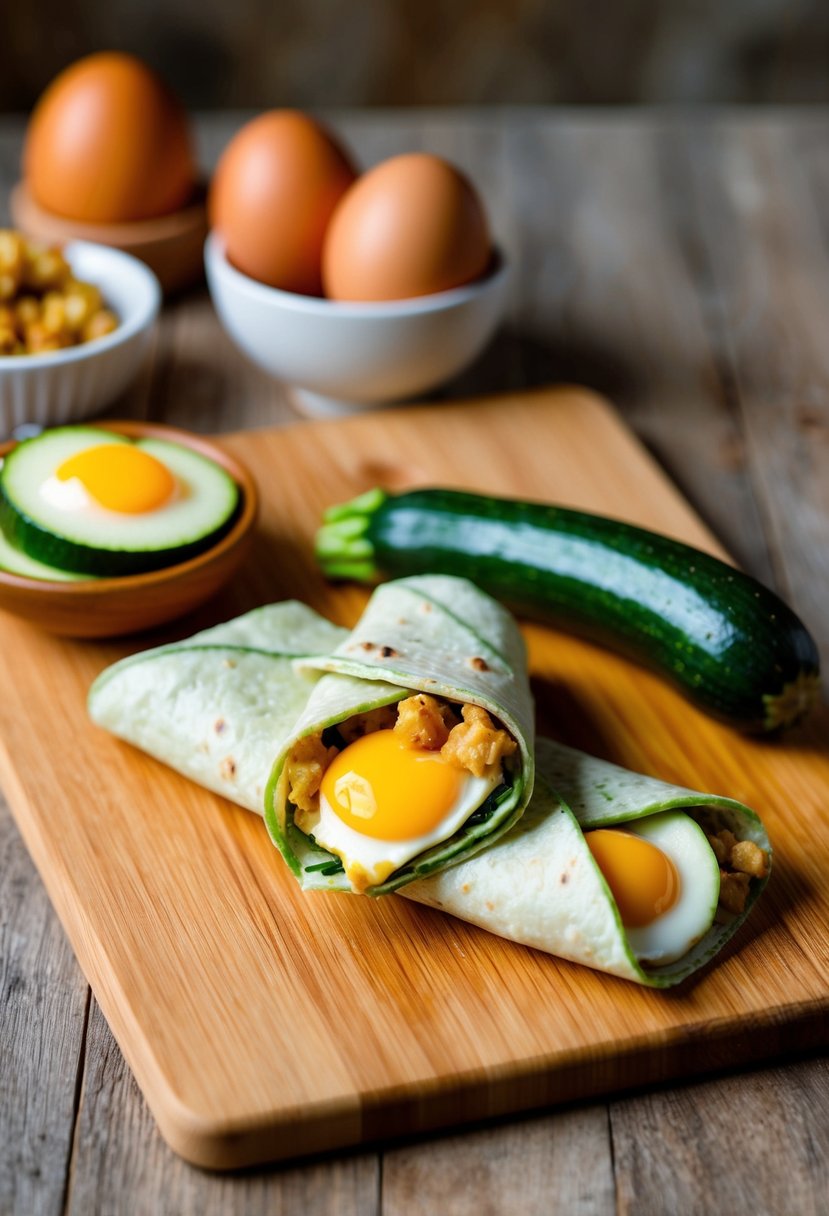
(63, 385)
(341, 357)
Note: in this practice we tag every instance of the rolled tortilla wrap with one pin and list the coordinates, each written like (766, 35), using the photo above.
(431, 634)
(540, 885)
(228, 706)
(219, 706)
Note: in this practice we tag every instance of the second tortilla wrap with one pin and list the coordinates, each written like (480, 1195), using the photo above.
(540, 886)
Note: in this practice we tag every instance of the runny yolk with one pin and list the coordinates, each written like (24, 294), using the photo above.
(643, 880)
(121, 477)
(381, 788)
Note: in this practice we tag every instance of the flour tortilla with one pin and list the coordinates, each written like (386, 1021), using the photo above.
(217, 706)
(223, 706)
(432, 634)
(514, 888)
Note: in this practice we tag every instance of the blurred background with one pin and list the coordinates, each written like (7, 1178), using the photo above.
(259, 53)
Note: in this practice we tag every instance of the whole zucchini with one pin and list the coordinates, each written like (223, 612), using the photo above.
(725, 640)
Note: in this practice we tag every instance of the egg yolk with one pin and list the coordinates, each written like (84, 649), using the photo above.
(120, 477)
(381, 788)
(642, 879)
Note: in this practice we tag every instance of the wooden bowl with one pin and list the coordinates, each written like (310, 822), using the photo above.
(107, 607)
(171, 245)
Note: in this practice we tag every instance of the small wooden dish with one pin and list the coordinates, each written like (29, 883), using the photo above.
(107, 607)
(171, 245)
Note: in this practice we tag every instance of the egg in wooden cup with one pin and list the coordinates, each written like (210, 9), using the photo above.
(108, 158)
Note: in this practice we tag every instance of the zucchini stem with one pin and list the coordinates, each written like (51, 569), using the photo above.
(342, 546)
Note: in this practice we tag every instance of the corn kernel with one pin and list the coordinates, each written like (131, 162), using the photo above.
(101, 323)
(43, 306)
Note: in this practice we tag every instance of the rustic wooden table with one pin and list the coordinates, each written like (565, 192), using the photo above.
(680, 266)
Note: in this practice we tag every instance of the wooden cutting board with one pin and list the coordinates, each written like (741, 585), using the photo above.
(262, 1023)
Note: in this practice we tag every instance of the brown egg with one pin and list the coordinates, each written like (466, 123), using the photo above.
(411, 226)
(274, 190)
(108, 143)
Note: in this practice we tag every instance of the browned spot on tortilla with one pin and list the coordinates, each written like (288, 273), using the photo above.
(367, 645)
(227, 769)
(425, 606)
(466, 888)
(388, 652)
(219, 725)
(478, 663)
(564, 878)
(229, 662)
(490, 905)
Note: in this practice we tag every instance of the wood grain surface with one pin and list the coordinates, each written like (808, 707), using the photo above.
(623, 229)
(262, 1023)
(409, 54)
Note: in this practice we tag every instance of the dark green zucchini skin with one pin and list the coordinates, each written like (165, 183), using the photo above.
(27, 534)
(725, 640)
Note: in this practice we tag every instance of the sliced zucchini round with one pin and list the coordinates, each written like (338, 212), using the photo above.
(13, 561)
(58, 522)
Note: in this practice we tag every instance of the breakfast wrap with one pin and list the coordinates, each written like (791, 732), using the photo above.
(415, 748)
(411, 751)
(613, 869)
(217, 706)
(609, 868)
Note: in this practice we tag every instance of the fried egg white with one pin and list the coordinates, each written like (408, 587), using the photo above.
(665, 880)
(383, 803)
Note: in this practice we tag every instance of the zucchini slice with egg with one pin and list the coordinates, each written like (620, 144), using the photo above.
(94, 502)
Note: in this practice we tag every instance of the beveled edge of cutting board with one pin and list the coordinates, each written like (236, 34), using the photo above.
(410, 1112)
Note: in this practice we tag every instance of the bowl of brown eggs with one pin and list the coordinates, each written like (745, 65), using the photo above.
(358, 290)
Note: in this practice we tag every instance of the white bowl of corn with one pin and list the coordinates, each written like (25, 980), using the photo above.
(75, 326)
